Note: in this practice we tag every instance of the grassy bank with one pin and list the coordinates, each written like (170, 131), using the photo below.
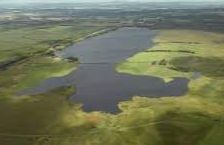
(171, 45)
(26, 54)
(31, 40)
(31, 72)
(196, 55)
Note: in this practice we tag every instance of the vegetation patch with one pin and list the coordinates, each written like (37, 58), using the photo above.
(31, 72)
(208, 66)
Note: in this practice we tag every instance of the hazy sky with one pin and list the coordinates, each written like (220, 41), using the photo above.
(24, 1)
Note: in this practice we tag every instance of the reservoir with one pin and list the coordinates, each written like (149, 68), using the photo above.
(99, 87)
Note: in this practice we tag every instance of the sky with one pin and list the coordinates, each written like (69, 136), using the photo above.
(28, 1)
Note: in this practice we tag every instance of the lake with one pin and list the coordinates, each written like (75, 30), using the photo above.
(98, 86)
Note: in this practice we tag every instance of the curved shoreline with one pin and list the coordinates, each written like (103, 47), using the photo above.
(99, 87)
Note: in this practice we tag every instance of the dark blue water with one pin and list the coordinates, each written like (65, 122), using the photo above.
(98, 86)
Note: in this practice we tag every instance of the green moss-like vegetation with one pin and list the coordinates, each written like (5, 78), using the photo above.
(49, 119)
(210, 66)
(34, 119)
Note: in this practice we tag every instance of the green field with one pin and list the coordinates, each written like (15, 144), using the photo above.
(37, 39)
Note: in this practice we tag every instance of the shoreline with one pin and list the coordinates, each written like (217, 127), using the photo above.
(50, 52)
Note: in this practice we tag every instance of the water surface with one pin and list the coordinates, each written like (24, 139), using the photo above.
(98, 86)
